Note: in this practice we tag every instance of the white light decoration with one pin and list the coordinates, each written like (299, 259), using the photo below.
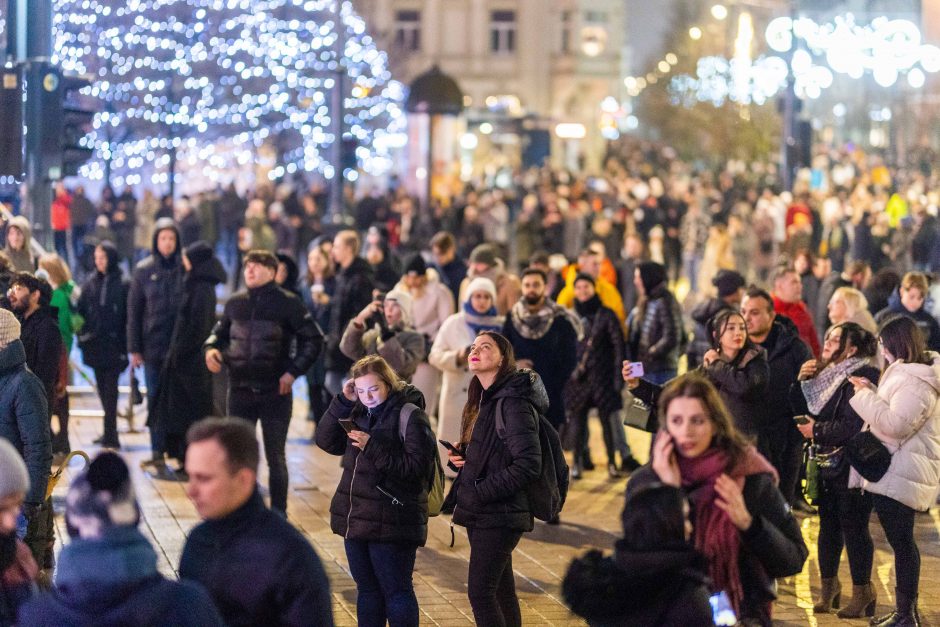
(217, 79)
(695, 33)
(719, 11)
(916, 78)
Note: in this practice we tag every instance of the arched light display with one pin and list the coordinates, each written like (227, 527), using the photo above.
(217, 79)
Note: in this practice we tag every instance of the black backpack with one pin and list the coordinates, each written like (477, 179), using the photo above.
(548, 492)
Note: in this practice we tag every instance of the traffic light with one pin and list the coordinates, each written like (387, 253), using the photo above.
(11, 122)
(78, 114)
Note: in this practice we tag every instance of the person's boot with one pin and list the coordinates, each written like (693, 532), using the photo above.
(862, 603)
(830, 594)
(904, 615)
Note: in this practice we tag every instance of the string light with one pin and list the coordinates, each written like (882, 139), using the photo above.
(219, 79)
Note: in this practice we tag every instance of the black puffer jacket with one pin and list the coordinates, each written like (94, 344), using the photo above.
(156, 288)
(490, 490)
(742, 385)
(42, 342)
(656, 339)
(255, 335)
(771, 548)
(786, 352)
(596, 381)
(701, 338)
(24, 417)
(360, 510)
(353, 292)
(103, 303)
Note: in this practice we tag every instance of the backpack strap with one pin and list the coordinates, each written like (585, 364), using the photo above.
(403, 417)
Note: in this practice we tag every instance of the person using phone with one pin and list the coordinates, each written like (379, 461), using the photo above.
(742, 524)
(822, 394)
(384, 328)
(381, 503)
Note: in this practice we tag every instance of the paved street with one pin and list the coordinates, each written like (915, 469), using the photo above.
(591, 518)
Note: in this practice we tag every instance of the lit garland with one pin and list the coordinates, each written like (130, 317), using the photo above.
(217, 79)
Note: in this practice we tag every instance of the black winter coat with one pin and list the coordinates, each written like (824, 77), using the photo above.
(657, 338)
(786, 352)
(773, 547)
(24, 417)
(596, 381)
(42, 342)
(925, 321)
(103, 304)
(255, 335)
(185, 392)
(359, 510)
(353, 292)
(490, 489)
(554, 358)
(836, 423)
(258, 569)
(701, 338)
(152, 304)
(743, 385)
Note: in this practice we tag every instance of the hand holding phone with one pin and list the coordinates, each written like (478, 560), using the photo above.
(348, 424)
(450, 447)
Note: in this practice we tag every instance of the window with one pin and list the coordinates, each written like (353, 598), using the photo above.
(502, 32)
(408, 30)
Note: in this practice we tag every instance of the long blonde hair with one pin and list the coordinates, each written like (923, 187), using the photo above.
(57, 269)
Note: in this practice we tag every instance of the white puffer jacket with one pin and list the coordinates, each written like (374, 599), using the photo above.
(906, 398)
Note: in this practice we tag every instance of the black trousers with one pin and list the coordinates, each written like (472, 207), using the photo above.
(784, 449)
(274, 412)
(107, 382)
(897, 519)
(491, 586)
(581, 422)
(843, 521)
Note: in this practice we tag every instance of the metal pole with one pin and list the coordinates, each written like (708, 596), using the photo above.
(337, 113)
(787, 140)
(38, 45)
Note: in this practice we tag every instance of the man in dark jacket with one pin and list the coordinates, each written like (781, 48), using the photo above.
(257, 568)
(544, 336)
(778, 438)
(42, 340)
(152, 304)
(352, 293)
(451, 268)
(254, 337)
(24, 422)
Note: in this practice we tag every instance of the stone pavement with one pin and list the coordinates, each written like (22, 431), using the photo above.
(590, 519)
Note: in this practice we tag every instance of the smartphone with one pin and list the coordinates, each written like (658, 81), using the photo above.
(800, 419)
(450, 447)
(636, 369)
(348, 424)
(722, 612)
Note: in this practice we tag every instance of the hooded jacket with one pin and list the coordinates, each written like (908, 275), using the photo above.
(656, 334)
(403, 350)
(353, 292)
(154, 297)
(786, 352)
(904, 414)
(360, 510)
(113, 582)
(490, 490)
(23, 259)
(701, 338)
(103, 304)
(42, 342)
(24, 417)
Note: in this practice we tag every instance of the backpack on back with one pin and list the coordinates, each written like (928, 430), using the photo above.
(548, 492)
(436, 477)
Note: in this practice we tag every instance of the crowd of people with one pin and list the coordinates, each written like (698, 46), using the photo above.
(764, 333)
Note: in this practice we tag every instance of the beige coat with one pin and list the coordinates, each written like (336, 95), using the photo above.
(904, 411)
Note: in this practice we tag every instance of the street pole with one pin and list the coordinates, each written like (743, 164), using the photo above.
(337, 113)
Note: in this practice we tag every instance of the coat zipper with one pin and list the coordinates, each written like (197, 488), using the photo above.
(351, 483)
(453, 537)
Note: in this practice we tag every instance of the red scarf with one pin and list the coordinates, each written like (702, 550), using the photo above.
(715, 535)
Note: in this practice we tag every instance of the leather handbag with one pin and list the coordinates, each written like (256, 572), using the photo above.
(830, 463)
(868, 455)
(639, 415)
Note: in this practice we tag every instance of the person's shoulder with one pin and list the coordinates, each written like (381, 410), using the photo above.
(144, 265)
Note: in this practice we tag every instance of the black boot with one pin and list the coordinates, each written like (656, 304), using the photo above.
(905, 614)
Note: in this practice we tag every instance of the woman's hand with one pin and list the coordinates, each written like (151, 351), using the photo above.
(731, 502)
(363, 316)
(457, 460)
(664, 460)
(710, 356)
(625, 372)
(861, 383)
(349, 390)
(807, 371)
(359, 439)
(807, 428)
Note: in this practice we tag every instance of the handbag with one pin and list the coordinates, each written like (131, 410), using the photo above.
(639, 415)
(812, 488)
(832, 463)
(868, 455)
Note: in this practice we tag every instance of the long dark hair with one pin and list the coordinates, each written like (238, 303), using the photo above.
(719, 323)
(855, 335)
(904, 340)
(653, 518)
(475, 391)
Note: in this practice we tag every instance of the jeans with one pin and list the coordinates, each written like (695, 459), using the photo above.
(690, 266)
(274, 412)
(490, 584)
(107, 381)
(843, 521)
(897, 519)
(157, 431)
(383, 575)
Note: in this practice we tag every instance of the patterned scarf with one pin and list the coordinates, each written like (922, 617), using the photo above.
(820, 388)
(533, 326)
(715, 535)
(489, 321)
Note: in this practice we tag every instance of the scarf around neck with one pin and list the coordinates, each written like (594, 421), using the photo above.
(821, 388)
(532, 326)
(589, 307)
(715, 535)
(489, 321)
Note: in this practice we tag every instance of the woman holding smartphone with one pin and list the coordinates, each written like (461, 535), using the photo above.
(489, 495)
(381, 503)
(742, 523)
(824, 392)
(904, 414)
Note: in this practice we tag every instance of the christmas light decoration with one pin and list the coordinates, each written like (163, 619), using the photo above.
(212, 81)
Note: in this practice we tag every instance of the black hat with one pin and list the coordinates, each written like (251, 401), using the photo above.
(728, 282)
(199, 252)
(652, 275)
(417, 265)
(583, 276)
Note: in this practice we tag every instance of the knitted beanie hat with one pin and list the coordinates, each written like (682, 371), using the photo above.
(100, 498)
(405, 302)
(14, 478)
(481, 284)
(9, 327)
